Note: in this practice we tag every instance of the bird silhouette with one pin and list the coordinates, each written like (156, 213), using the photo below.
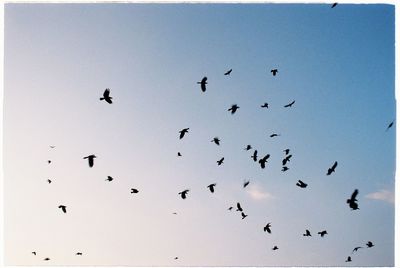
(48, 161)
(175, 258)
(243, 215)
(275, 248)
(90, 159)
(370, 244)
(46, 259)
(211, 187)
(203, 84)
(246, 183)
(34, 253)
(334, 4)
(63, 208)
(230, 208)
(49, 181)
(239, 207)
(301, 184)
(356, 249)
(289, 105)
(134, 191)
(79, 253)
(254, 156)
(352, 201)
(274, 135)
(219, 162)
(52, 146)
(274, 71)
(228, 72)
(248, 147)
(263, 160)
(183, 132)
(106, 96)
(216, 140)
(307, 233)
(184, 193)
(286, 151)
(332, 169)
(265, 105)
(285, 168)
(286, 159)
(348, 259)
(179, 154)
(267, 228)
(233, 108)
(390, 125)
(109, 178)
(322, 233)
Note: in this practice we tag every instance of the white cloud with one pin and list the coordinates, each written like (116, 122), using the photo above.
(257, 193)
(382, 195)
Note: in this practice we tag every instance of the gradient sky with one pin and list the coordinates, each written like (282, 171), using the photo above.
(338, 64)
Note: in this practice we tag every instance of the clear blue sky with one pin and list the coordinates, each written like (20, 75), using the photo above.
(337, 64)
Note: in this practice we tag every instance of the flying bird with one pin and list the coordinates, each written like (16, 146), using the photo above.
(52, 146)
(49, 181)
(175, 213)
(179, 154)
(46, 259)
(90, 158)
(230, 208)
(356, 249)
(233, 108)
(334, 4)
(254, 156)
(219, 162)
(239, 207)
(352, 201)
(34, 253)
(106, 96)
(248, 147)
(79, 253)
(307, 233)
(184, 193)
(211, 187)
(348, 259)
(274, 71)
(274, 135)
(243, 215)
(265, 105)
(246, 183)
(290, 104)
(175, 258)
(48, 161)
(286, 151)
(228, 72)
(263, 160)
(183, 132)
(301, 184)
(109, 178)
(322, 233)
(370, 244)
(134, 191)
(286, 159)
(267, 228)
(275, 248)
(390, 125)
(216, 140)
(63, 208)
(332, 169)
(203, 83)
(285, 168)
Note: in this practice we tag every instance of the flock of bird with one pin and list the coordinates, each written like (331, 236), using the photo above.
(262, 161)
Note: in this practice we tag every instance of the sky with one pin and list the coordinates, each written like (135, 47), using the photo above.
(337, 64)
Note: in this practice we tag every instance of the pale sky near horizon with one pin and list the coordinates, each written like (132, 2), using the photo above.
(337, 64)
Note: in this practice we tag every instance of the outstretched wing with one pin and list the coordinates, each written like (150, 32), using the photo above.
(354, 195)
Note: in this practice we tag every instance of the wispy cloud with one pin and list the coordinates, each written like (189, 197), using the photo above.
(382, 195)
(257, 193)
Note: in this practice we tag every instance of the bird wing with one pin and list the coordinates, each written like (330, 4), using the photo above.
(106, 93)
(354, 195)
(334, 165)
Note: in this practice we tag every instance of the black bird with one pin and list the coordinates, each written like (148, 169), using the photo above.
(248, 147)
(203, 84)
(106, 96)
(334, 4)
(49, 181)
(184, 193)
(275, 248)
(301, 184)
(211, 187)
(286, 151)
(34, 253)
(179, 154)
(274, 135)
(90, 158)
(230, 208)
(243, 215)
(286, 159)
(109, 178)
(263, 160)
(254, 156)
(48, 161)
(267, 228)
(63, 208)
(352, 201)
(219, 162)
(274, 71)
(79, 253)
(52, 146)
(307, 233)
(290, 104)
(216, 140)
(239, 208)
(46, 259)
(285, 168)
(265, 105)
(370, 244)
(322, 233)
(348, 259)
(134, 191)
(356, 249)
(183, 132)
(246, 183)
(175, 258)
(233, 108)
(390, 125)
(332, 169)
(228, 72)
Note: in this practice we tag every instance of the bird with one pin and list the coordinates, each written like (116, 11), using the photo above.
(49, 181)
(322, 233)
(109, 178)
(52, 146)
(265, 105)
(274, 135)
(239, 207)
(216, 140)
(243, 215)
(203, 83)
(263, 160)
(63, 208)
(134, 191)
(248, 147)
(356, 249)
(175, 213)
(219, 162)
(285, 168)
(307, 233)
(290, 104)
(179, 154)
(348, 259)
(267, 228)
(46, 259)
(175, 258)
(183, 132)
(390, 125)
(184, 193)
(79, 253)
(106, 96)
(334, 4)
(332, 169)
(230, 208)
(369, 244)
(246, 183)
(286, 151)
(90, 158)
(48, 161)
(274, 71)
(352, 201)
(301, 184)
(275, 248)
(34, 253)
(233, 108)
(211, 187)
(254, 156)
(286, 159)
(228, 72)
